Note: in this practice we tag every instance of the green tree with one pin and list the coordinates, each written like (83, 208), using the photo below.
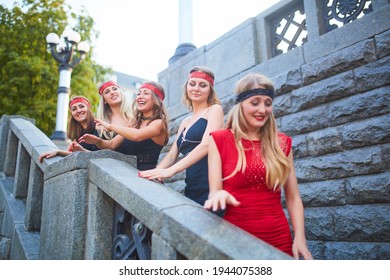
(28, 73)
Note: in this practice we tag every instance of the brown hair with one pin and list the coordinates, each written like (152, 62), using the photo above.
(212, 99)
(159, 111)
(75, 129)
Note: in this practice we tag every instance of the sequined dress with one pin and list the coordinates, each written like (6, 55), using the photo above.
(260, 212)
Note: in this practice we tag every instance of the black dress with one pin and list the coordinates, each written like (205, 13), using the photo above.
(197, 180)
(146, 151)
(90, 147)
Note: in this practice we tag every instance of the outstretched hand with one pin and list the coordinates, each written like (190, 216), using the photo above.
(100, 124)
(219, 199)
(76, 147)
(89, 139)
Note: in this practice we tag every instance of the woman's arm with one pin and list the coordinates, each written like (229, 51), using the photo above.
(214, 122)
(170, 158)
(112, 144)
(76, 147)
(218, 198)
(296, 212)
(155, 128)
(54, 153)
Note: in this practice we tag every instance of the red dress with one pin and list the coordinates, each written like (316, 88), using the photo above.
(260, 212)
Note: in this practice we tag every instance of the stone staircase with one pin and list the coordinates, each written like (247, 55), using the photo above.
(16, 242)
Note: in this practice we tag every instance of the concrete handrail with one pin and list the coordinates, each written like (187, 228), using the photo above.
(70, 202)
(174, 220)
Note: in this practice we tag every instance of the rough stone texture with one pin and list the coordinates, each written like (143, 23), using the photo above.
(99, 225)
(24, 244)
(195, 238)
(21, 173)
(15, 241)
(382, 44)
(63, 216)
(4, 127)
(10, 155)
(64, 209)
(338, 62)
(34, 200)
(161, 249)
(356, 251)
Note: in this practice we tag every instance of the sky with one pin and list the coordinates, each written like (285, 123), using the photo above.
(138, 37)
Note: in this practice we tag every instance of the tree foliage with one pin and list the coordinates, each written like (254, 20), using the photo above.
(28, 73)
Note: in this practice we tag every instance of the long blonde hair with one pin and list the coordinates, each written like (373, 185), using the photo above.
(159, 111)
(104, 112)
(276, 162)
(212, 99)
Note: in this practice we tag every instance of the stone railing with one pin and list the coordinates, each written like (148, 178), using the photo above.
(64, 208)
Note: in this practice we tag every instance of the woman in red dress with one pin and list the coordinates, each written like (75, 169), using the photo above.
(250, 164)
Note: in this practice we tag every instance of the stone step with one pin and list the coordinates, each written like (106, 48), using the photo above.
(15, 241)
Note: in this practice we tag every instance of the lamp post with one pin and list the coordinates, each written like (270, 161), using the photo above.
(65, 53)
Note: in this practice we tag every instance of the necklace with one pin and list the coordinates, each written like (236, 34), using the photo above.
(146, 118)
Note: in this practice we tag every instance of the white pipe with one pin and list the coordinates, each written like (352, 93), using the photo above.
(185, 21)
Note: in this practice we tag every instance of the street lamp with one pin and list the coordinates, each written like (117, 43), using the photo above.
(65, 53)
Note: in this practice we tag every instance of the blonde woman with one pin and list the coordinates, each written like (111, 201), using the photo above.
(192, 136)
(147, 133)
(114, 107)
(250, 164)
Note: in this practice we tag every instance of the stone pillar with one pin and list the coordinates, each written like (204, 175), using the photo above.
(161, 250)
(10, 154)
(34, 198)
(98, 244)
(22, 172)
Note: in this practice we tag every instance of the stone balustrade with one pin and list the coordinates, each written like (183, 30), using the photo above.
(63, 208)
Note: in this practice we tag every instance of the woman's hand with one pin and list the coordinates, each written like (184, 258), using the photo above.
(76, 147)
(105, 125)
(89, 139)
(156, 174)
(299, 248)
(54, 153)
(219, 199)
(48, 155)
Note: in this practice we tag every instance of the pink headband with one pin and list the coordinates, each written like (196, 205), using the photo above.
(201, 75)
(105, 85)
(154, 89)
(79, 99)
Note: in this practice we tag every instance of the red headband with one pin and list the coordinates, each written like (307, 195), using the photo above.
(104, 85)
(154, 89)
(201, 75)
(79, 99)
